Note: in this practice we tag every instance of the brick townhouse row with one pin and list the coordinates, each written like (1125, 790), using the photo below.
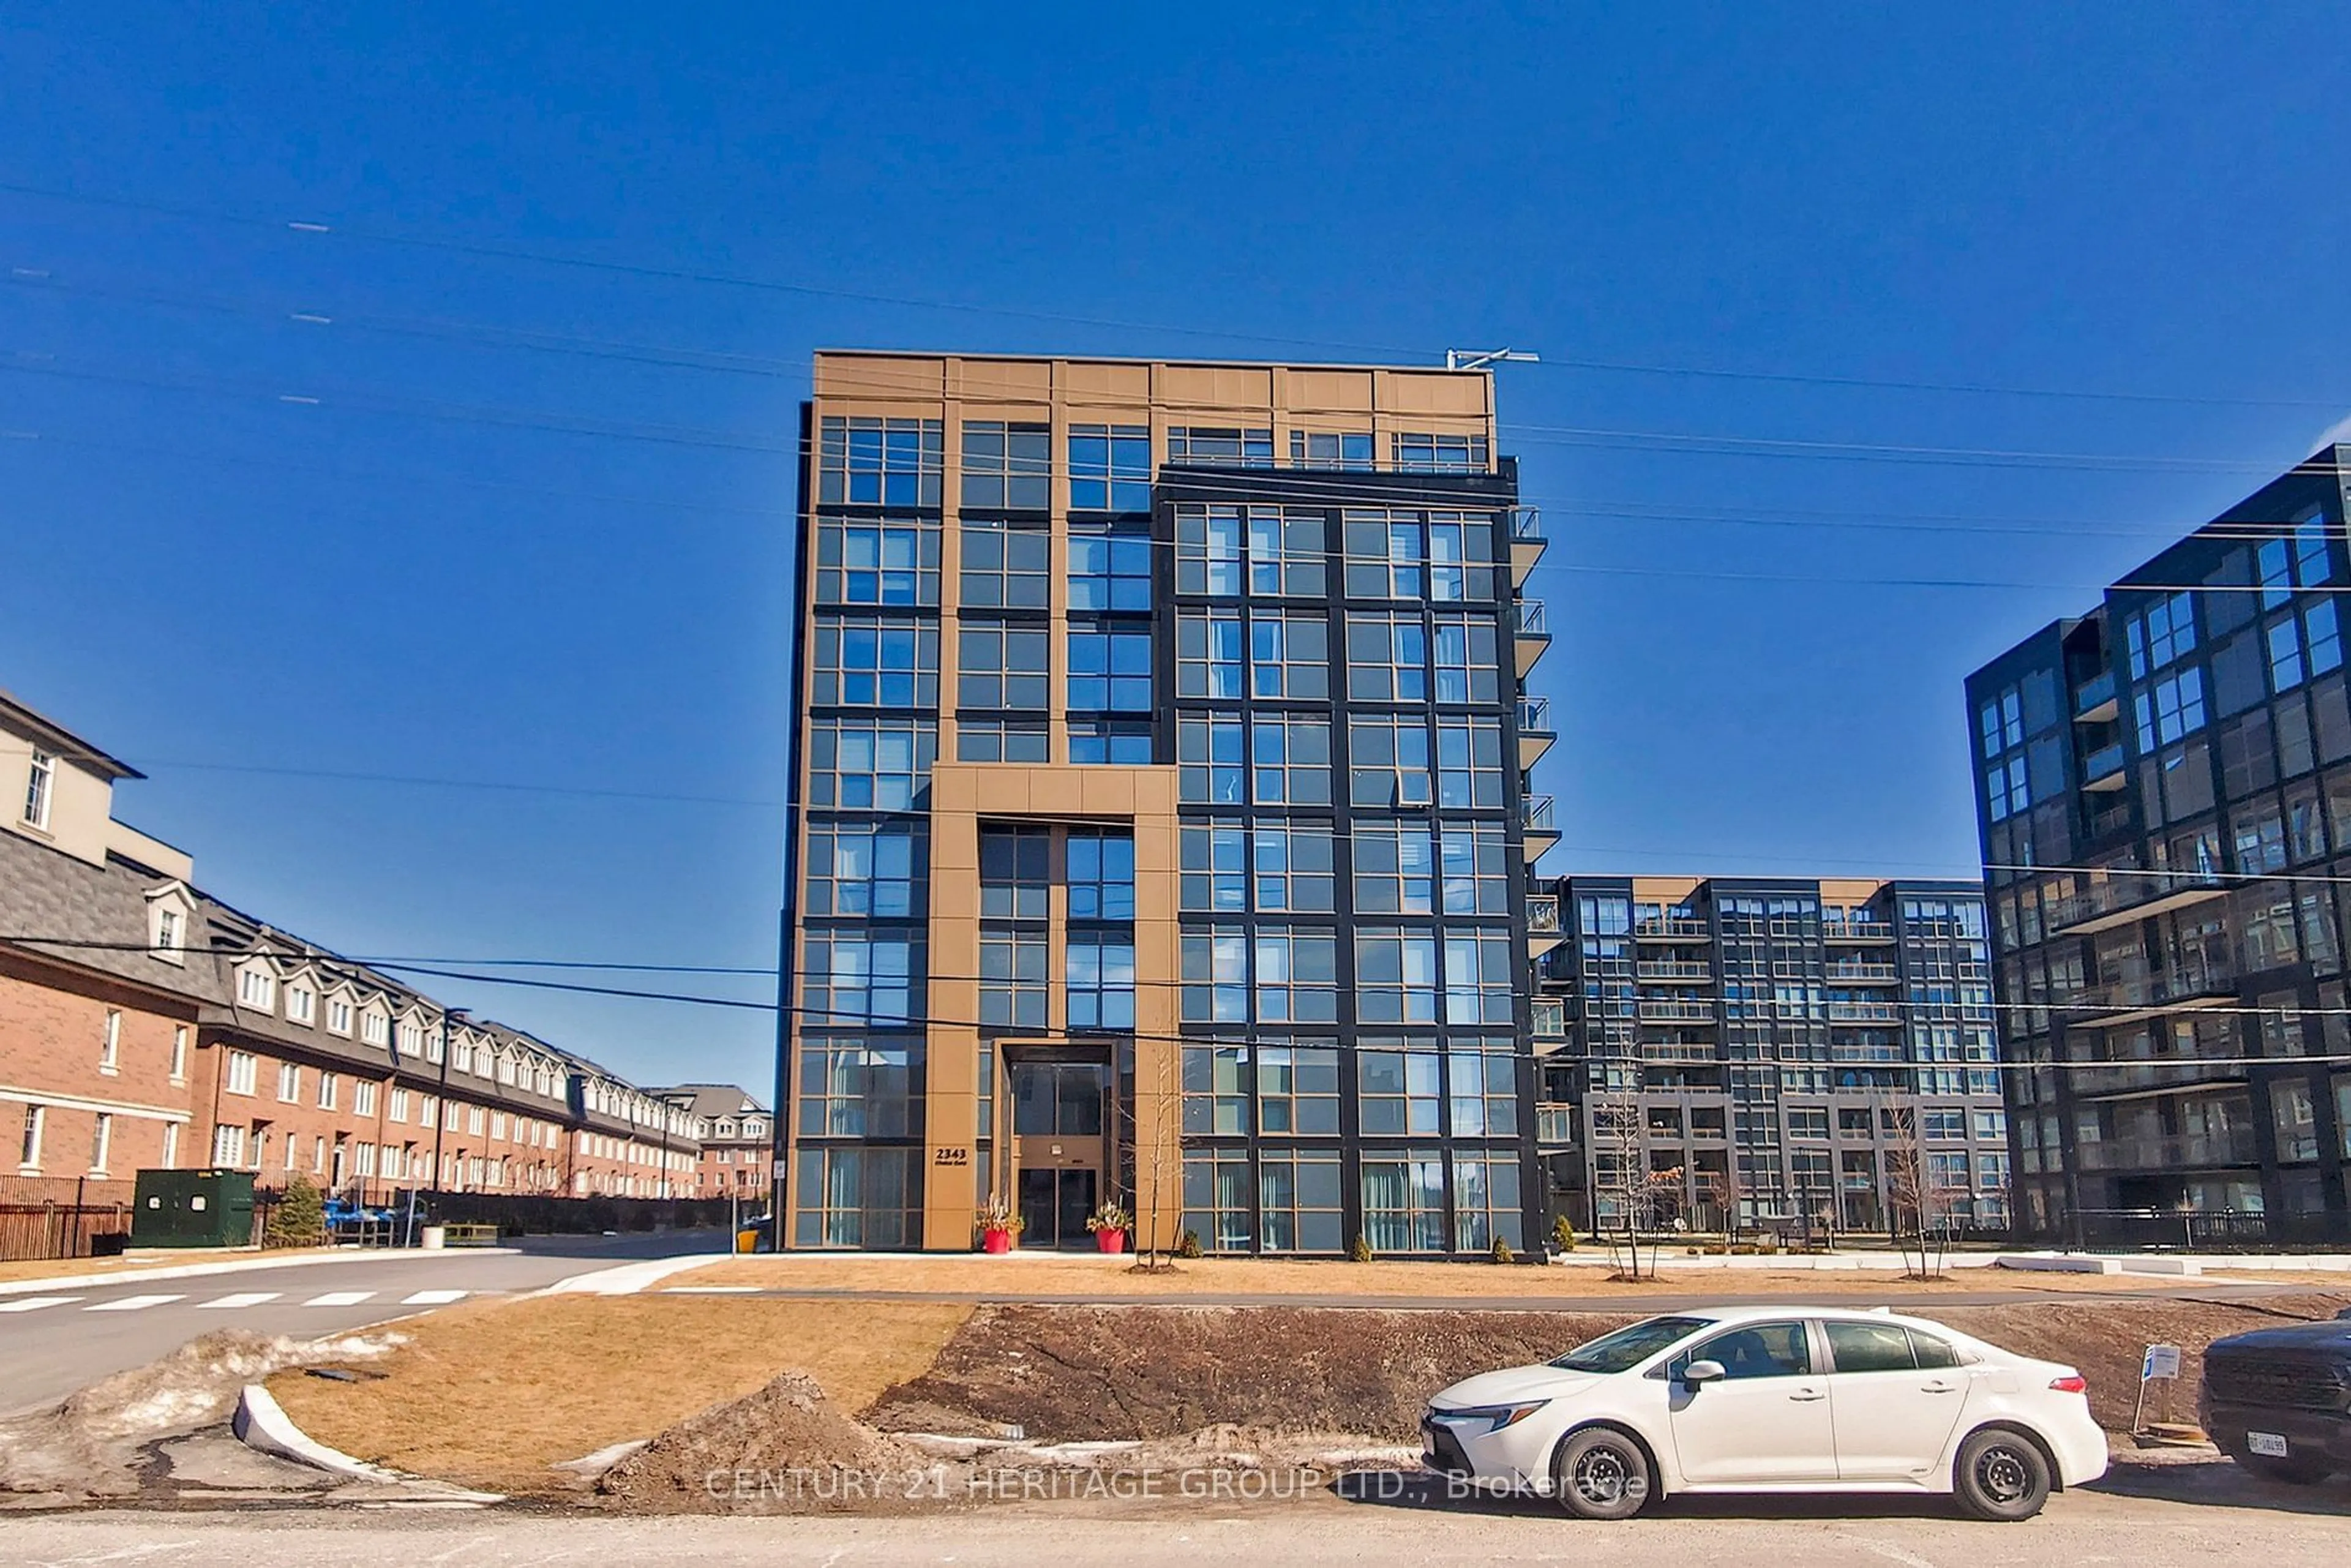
(736, 1133)
(144, 1023)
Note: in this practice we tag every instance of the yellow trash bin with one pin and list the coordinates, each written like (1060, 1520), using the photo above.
(746, 1240)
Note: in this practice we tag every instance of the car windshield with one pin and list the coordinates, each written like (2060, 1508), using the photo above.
(1627, 1347)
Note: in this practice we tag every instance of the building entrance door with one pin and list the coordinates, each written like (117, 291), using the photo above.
(1054, 1207)
(1059, 1147)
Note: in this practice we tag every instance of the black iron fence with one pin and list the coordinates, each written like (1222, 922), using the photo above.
(376, 1214)
(2190, 1230)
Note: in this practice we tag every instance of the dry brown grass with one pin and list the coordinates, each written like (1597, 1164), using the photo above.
(492, 1394)
(973, 1277)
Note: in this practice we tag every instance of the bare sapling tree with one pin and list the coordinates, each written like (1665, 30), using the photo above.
(1921, 1203)
(1638, 1194)
(1162, 1156)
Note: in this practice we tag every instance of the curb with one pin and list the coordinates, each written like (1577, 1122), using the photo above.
(629, 1279)
(261, 1424)
(236, 1266)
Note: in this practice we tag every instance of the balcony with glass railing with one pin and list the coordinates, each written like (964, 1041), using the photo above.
(2094, 701)
(1537, 830)
(1670, 972)
(2134, 997)
(2122, 897)
(1549, 1018)
(1535, 732)
(1672, 929)
(1851, 973)
(2102, 770)
(1848, 931)
(2137, 1077)
(1543, 926)
(1531, 632)
(2231, 1148)
(1554, 1126)
(1864, 1012)
(1675, 1009)
(1527, 541)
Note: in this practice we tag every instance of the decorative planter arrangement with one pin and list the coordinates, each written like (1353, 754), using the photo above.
(998, 1223)
(1109, 1224)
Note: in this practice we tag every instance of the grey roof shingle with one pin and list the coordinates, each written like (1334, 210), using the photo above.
(94, 915)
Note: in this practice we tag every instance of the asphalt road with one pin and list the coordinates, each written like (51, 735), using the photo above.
(2181, 1528)
(54, 1342)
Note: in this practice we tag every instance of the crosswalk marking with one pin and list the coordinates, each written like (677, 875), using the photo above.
(131, 1303)
(244, 1298)
(339, 1298)
(432, 1298)
(35, 1303)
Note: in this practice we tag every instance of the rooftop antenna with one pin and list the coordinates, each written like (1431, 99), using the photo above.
(1465, 360)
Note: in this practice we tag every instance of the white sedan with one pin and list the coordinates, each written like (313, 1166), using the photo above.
(1773, 1399)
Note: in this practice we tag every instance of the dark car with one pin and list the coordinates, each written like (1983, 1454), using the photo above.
(2278, 1401)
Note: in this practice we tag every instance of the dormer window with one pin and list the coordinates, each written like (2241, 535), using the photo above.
(301, 1003)
(168, 911)
(339, 1015)
(375, 1028)
(38, 787)
(256, 988)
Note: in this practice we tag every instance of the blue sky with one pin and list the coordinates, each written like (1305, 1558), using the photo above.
(498, 549)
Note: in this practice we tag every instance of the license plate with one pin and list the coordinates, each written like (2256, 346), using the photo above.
(2269, 1445)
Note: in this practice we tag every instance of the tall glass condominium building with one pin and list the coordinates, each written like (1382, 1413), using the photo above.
(2164, 788)
(1161, 824)
(1800, 1054)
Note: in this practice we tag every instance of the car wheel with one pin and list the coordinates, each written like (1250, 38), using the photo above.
(2001, 1475)
(1601, 1473)
(2293, 1472)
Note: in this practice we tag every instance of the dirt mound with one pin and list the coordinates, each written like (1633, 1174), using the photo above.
(90, 1447)
(1150, 1372)
(1144, 1372)
(2105, 1339)
(784, 1449)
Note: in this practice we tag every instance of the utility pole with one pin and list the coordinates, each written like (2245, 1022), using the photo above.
(441, 1111)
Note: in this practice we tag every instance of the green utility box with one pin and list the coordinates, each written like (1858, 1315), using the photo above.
(193, 1209)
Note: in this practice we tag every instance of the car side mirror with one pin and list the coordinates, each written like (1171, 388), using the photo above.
(1698, 1373)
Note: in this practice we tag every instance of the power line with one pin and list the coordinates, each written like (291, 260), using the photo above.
(1555, 363)
(1624, 511)
(492, 784)
(1208, 1033)
(1421, 500)
(650, 271)
(1693, 444)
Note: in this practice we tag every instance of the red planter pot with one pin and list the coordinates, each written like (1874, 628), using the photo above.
(996, 1241)
(1111, 1240)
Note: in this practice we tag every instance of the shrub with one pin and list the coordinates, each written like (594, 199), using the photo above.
(1563, 1234)
(1502, 1253)
(1188, 1244)
(300, 1218)
(1361, 1252)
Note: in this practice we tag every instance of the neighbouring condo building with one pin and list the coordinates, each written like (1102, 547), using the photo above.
(2164, 789)
(1161, 817)
(145, 1023)
(1766, 1051)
